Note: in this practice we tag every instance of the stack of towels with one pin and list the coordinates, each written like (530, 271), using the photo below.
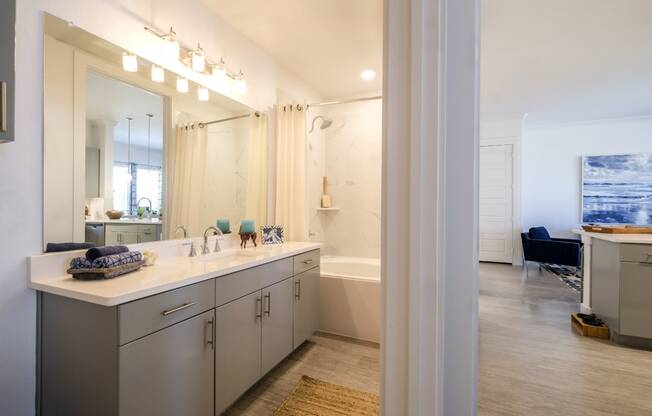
(106, 257)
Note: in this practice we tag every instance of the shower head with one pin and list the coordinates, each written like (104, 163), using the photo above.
(324, 125)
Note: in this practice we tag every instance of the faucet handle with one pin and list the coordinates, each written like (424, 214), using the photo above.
(193, 250)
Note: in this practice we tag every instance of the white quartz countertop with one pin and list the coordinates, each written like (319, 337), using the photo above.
(618, 238)
(126, 222)
(166, 274)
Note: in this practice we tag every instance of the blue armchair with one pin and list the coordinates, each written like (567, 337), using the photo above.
(539, 247)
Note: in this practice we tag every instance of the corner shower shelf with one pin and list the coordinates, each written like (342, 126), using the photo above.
(328, 209)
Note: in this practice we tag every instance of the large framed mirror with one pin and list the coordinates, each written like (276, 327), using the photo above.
(130, 156)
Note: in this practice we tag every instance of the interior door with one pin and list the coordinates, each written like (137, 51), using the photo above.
(306, 305)
(237, 348)
(496, 203)
(169, 372)
(277, 323)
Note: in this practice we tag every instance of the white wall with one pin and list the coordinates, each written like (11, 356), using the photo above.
(349, 154)
(551, 178)
(21, 183)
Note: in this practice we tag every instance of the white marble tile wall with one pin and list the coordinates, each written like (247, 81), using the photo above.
(349, 153)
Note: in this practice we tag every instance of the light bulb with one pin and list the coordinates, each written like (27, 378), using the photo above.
(158, 73)
(182, 84)
(368, 74)
(171, 48)
(202, 94)
(219, 75)
(198, 61)
(129, 62)
(240, 86)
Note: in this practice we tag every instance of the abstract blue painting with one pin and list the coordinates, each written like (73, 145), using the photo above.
(617, 189)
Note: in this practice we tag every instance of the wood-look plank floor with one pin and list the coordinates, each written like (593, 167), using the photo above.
(531, 361)
(354, 364)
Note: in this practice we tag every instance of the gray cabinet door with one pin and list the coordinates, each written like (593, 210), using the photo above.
(635, 305)
(277, 323)
(237, 348)
(169, 372)
(306, 305)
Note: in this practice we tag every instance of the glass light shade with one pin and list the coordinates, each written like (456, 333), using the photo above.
(158, 73)
(219, 74)
(198, 62)
(182, 84)
(129, 62)
(171, 48)
(368, 74)
(202, 94)
(240, 86)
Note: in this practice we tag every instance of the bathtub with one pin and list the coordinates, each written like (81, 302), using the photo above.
(350, 297)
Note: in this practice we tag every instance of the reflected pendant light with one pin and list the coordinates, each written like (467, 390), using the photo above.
(129, 147)
(149, 138)
(129, 62)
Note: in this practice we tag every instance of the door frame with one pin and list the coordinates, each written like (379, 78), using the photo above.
(429, 226)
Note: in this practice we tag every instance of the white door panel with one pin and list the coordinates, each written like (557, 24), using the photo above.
(496, 203)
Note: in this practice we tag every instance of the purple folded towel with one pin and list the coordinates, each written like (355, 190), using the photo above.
(97, 252)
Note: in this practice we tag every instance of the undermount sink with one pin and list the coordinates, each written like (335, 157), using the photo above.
(227, 255)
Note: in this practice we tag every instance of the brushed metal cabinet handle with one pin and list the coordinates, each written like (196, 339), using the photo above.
(178, 308)
(211, 341)
(259, 308)
(268, 296)
(3, 106)
(297, 292)
(309, 261)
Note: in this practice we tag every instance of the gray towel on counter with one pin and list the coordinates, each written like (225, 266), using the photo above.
(59, 247)
(106, 261)
(97, 252)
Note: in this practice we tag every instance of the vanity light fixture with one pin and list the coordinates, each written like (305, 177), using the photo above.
(197, 59)
(202, 94)
(182, 84)
(240, 84)
(368, 74)
(129, 62)
(158, 73)
(171, 46)
(219, 73)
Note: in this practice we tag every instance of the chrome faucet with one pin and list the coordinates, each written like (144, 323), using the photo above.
(182, 228)
(149, 211)
(204, 247)
(193, 250)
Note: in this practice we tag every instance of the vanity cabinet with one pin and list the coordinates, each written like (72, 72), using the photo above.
(189, 351)
(170, 372)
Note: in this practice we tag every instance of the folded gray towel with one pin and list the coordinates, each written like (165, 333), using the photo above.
(106, 262)
(59, 247)
(97, 252)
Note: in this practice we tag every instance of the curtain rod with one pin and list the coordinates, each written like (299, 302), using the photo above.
(352, 100)
(204, 124)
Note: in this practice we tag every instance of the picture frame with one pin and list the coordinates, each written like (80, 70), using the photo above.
(271, 234)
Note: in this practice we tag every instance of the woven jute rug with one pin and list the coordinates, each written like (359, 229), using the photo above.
(318, 398)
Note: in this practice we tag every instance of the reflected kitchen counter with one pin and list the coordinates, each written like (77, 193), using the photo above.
(127, 221)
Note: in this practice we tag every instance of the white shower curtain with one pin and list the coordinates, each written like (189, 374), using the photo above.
(186, 181)
(257, 170)
(290, 210)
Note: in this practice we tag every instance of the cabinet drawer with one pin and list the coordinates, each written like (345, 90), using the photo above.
(147, 229)
(122, 228)
(306, 261)
(238, 284)
(639, 253)
(144, 316)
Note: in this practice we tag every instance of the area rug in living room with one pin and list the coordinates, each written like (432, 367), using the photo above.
(316, 397)
(568, 275)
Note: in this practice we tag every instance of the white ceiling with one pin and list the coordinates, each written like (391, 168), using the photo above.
(566, 60)
(110, 99)
(326, 43)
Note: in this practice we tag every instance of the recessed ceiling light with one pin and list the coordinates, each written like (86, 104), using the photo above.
(368, 74)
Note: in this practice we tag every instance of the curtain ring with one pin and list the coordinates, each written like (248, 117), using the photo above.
(299, 107)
